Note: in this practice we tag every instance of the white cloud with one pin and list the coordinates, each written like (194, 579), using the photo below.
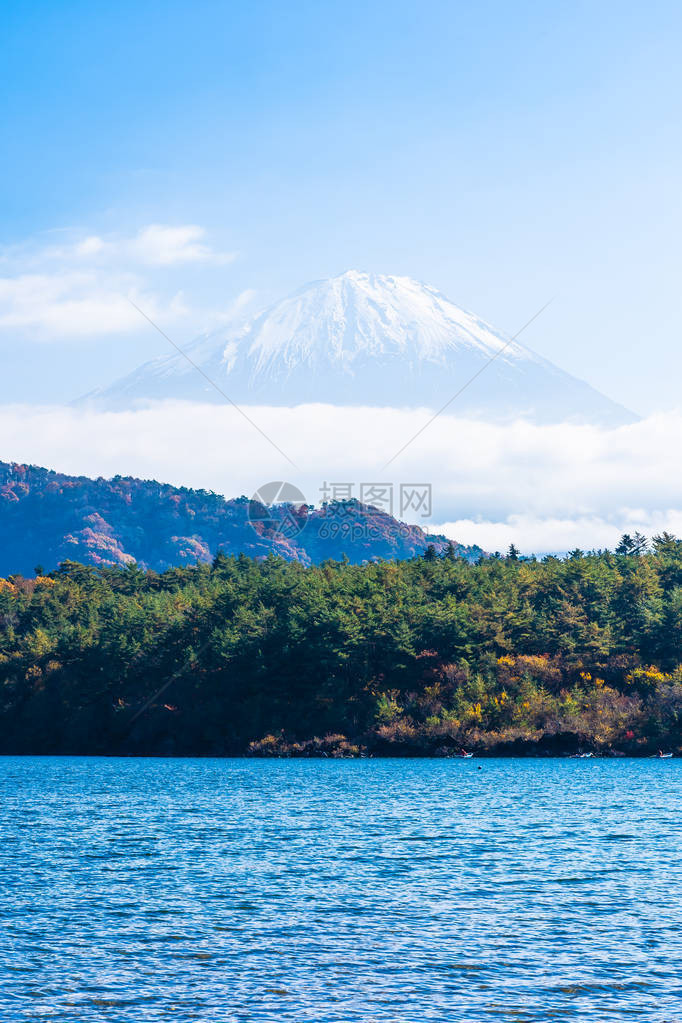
(90, 246)
(543, 488)
(80, 286)
(151, 245)
(76, 304)
(536, 535)
(161, 245)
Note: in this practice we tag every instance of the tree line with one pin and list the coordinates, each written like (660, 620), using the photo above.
(429, 656)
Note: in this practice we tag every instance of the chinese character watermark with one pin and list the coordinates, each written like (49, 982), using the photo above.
(347, 510)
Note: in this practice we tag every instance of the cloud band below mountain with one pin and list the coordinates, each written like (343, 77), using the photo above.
(543, 487)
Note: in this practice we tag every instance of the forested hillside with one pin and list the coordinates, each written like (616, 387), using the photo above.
(425, 656)
(47, 517)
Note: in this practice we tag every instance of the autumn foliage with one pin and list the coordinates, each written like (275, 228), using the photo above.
(270, 657)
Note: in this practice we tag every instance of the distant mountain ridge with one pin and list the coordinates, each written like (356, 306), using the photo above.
(368, 339)
(48, 517)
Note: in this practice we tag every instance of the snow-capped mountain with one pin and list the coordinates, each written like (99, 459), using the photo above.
(366, 339)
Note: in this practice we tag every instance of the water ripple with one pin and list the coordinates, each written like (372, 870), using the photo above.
(340, 892)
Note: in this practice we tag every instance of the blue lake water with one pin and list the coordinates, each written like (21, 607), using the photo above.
(233, 890)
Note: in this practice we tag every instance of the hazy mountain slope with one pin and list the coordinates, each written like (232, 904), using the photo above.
(47, 517)
(366, 339)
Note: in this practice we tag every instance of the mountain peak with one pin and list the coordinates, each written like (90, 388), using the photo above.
(370, 339)
(344, 318)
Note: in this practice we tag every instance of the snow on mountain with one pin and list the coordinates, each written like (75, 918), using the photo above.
(366, 339)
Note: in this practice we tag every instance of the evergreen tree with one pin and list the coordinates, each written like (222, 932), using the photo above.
(640, 544)
(666, 543)
(263, 655)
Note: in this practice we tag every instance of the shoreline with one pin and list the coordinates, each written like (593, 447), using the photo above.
(147, 755)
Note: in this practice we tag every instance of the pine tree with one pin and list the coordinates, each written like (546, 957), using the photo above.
(626, 544)
(666, 543)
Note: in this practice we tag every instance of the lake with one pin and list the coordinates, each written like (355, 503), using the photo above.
(367, 890)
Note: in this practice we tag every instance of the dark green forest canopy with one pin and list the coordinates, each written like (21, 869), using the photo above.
(426, 656)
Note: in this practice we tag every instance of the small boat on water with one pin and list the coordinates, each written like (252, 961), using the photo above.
(662, 756)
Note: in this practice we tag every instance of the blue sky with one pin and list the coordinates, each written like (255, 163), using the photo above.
(504, 153)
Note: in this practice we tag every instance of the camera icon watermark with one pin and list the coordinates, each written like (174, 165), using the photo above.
(278, 509)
